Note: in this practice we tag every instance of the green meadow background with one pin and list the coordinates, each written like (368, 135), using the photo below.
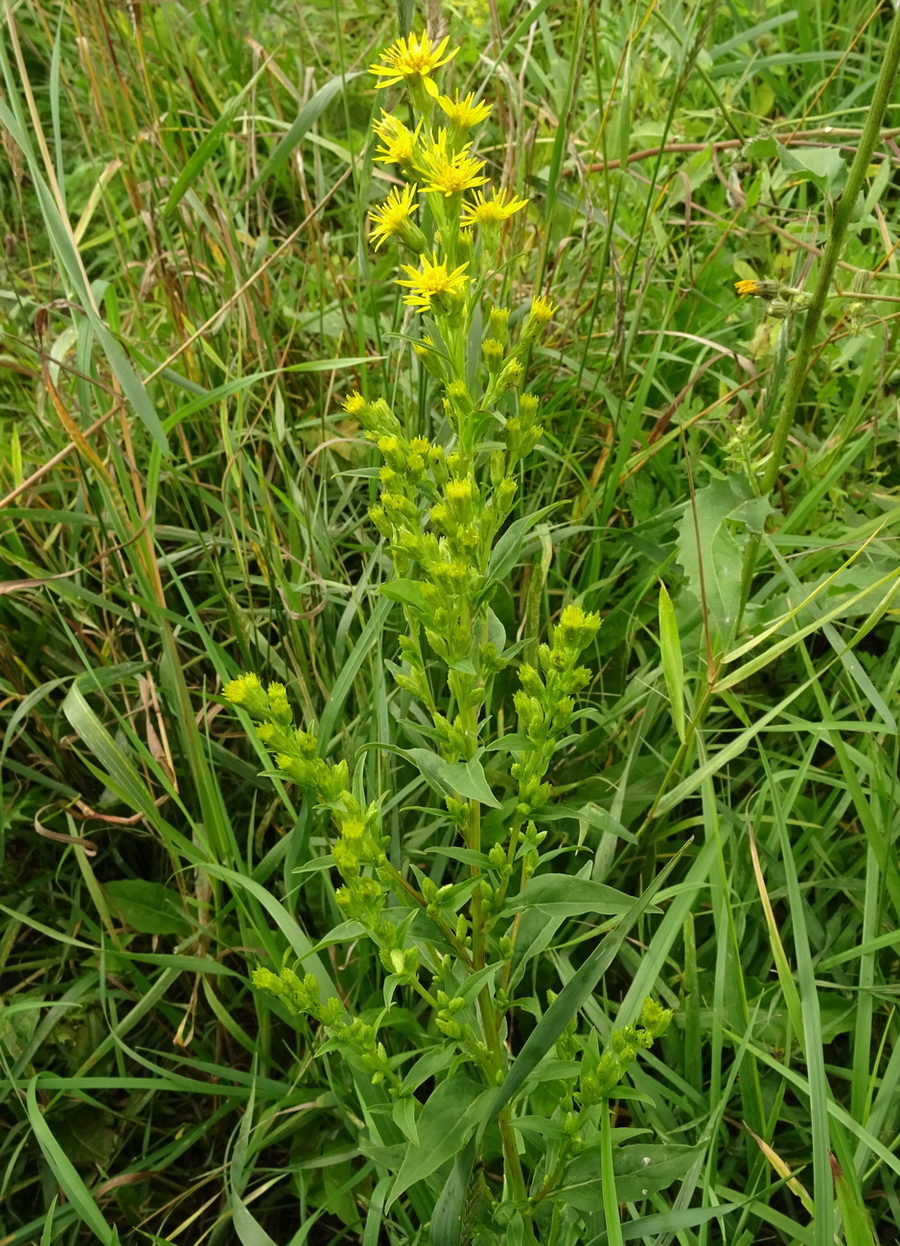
(187, 294)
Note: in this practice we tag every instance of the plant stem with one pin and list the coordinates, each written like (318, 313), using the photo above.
(832, 252)
(797, 376)
(608, 1181)
(831, 256)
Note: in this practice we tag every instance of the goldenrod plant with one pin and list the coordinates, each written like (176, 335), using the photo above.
(456, 954)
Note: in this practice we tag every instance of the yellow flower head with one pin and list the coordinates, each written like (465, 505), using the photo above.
(391, 217)
(491, 211)
(399, 143)
(431, 281)
(413, 60)
(450, 173)
(748, 287)
(464, 113)
(247, 692)
(239, 690)
(354, 404)
(459, 491)
(542, 309)
(353, 829)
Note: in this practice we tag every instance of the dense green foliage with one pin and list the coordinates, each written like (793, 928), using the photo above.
(189, 295)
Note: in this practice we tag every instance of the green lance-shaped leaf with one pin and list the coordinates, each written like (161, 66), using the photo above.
(672, 661)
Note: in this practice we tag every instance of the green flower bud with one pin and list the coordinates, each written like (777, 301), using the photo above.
(512, 376)
(279, 707)
(541, 313)
(528, 405)
(265, 980)
(655, 1019)
(331, 1012)
(493, 352)
(346, 858)
(431, 360)
(506, 492)
(381, 521)
(530, 680)
(332, 781)
(379, 418)
(460, 497)
(353, 828)
(499, 321)
(300, 771)
(451, 1028)
(778, 309)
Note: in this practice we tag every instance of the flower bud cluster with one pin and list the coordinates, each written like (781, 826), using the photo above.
(301, 998)
(781, 300)
(533, 837)
(299, 995)
(523, 431)
(397, 959)
(359, 844)
(545, 701)
(567, 1043)
(294, 749)
(506, 370)
(446, 1018)
(600, 1076)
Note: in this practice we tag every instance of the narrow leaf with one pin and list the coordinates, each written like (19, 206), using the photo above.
(575, 992)
(64, 1171)
(672, 661)
(445, 1124)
